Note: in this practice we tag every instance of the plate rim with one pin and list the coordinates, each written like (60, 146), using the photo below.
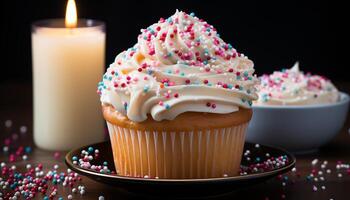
(88, 172)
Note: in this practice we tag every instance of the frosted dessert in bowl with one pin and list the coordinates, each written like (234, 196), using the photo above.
(178, 103)
(297, 111)
(293, 87)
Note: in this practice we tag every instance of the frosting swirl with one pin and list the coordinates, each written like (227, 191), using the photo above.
(293, 87)
(179, 64)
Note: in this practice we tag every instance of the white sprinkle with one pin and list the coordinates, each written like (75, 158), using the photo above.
(225, 175)
(101, 198)
(70, 197)
(23, 129)
(82, 192)
(294, 169)
(146, 176)
(257, 145)
(28, 166)
(328, 171)
(323, 187)
(8, 123)
(5, 148)
(314, 188)
(340, 175)
(25, 157)
(314, 162)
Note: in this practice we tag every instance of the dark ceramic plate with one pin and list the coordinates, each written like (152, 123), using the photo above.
(182, 187)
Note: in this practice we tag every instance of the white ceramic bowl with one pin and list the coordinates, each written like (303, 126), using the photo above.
(299, 129)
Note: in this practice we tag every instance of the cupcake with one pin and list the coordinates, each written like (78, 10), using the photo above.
(178, 103)
(293, 87)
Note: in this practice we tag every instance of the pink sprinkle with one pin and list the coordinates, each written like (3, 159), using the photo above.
(57, 155)
(161, 103)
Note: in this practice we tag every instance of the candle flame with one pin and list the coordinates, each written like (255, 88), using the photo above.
(71, 14)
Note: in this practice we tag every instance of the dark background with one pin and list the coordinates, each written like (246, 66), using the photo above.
(273, 34)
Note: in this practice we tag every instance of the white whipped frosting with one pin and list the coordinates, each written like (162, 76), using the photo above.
(293, 87)
(178, 65)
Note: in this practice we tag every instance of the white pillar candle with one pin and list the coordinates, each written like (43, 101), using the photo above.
(67, 66)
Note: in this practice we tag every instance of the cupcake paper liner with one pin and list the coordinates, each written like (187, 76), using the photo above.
(189, 154)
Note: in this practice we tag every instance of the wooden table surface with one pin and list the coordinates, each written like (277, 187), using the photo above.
(16, 105)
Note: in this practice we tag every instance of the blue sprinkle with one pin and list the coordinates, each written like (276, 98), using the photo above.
(149, 72)
(192, 14)
(28, 149)
(105, 163)
(250, 103)
(75, 158)
(146, 88)
(167, 106)
(91, 149)
(169, 20)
